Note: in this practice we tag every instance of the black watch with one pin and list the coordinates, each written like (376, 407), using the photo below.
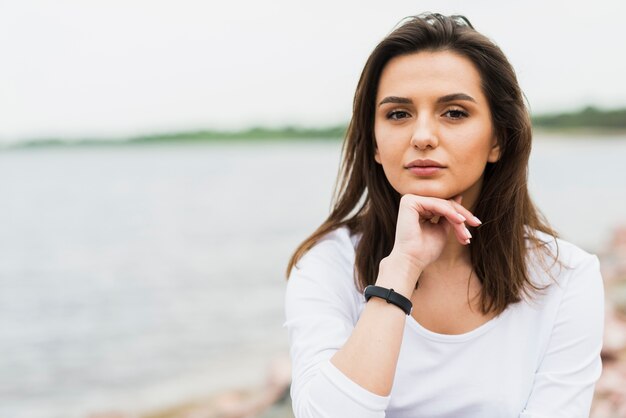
(390, 296)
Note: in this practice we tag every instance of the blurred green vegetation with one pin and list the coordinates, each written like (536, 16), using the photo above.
(589, 120)
(288, 132)
(258, 133)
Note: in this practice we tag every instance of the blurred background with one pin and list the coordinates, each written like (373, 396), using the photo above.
(160, 161)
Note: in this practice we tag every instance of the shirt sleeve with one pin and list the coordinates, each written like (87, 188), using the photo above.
(565, 379)
(321, 309)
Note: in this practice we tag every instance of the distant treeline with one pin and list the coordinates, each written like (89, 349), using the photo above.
(587, 119)
(289, 132)
(258, 133)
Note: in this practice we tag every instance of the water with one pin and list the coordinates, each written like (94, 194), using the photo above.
(135, 277)
(580, 185)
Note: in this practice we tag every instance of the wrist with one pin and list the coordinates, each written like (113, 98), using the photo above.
(400, 273)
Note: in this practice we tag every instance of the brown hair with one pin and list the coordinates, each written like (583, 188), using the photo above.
(366, 203)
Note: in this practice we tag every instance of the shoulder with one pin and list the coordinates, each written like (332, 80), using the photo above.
(570, 296)
(566, 329)
(336, 248)
(325, 275)
(569, 278)
(558, 260)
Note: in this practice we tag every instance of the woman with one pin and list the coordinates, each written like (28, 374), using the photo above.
(478, 310)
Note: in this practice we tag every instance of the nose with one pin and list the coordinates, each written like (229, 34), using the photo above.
(424, 133)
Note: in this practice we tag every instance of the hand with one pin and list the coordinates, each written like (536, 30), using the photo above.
(424, 224)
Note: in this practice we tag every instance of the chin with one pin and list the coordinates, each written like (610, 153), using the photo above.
(429, 192)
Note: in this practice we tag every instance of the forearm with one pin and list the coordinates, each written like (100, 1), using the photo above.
(370, 355)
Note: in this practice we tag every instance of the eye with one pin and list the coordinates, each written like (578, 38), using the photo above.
(456, 114)
(397, 115)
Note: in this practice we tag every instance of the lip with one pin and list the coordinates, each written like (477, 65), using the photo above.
(424, 167)
(424, 163)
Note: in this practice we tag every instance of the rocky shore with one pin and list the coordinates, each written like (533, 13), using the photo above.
(610, 396)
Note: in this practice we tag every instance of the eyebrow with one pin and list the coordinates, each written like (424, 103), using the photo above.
(443, 99)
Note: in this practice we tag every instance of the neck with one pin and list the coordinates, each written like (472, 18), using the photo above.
(452, 267)
(453, 253)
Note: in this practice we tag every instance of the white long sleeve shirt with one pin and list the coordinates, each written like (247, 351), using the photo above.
(540, 358)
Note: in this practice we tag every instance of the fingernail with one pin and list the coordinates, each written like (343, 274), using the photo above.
(467, 233)
(478, 220)
(461, 217)
(467, 241)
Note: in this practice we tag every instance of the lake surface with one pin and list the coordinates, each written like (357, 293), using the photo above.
(135, 277)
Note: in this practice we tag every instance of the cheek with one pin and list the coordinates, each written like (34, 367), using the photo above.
(390, 143)
(472, 159)
(388, 154)
(477, 143)
(384, 148)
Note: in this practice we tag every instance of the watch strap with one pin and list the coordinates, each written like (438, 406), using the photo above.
(390, 296)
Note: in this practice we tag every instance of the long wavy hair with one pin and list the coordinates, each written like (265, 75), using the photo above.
(366, 203)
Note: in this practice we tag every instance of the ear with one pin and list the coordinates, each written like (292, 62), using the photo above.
(377, 155)
(494, 153)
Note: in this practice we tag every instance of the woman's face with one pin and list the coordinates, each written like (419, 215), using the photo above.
(433, 126)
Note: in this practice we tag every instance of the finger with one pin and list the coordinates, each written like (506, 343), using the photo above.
(469, 216)
(429, 207)
(462, 234)
(432, 209)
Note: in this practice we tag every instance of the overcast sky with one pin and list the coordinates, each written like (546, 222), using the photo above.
(90, 68)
